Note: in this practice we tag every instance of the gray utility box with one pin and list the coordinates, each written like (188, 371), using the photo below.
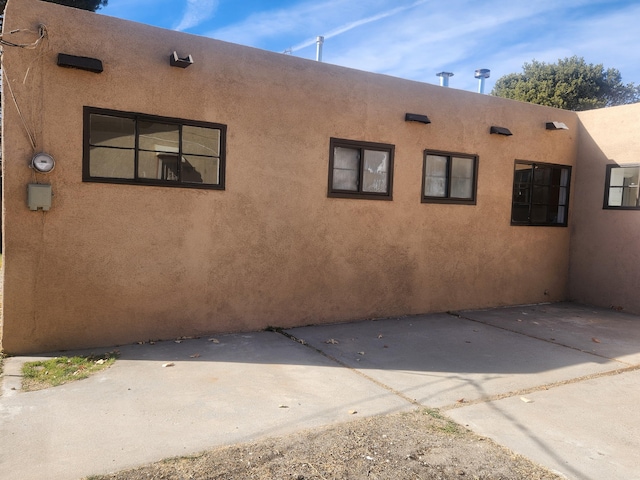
(39, 196)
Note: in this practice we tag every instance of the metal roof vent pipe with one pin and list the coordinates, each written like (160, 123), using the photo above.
(319, 42)
(444, 78)
(482, 74)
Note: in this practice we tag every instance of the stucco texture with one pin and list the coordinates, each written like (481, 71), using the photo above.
(110, 264)
(605, 252)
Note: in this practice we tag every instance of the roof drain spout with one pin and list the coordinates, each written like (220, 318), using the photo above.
(319, 42)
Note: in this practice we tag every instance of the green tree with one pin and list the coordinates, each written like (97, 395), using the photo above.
(91, 5)
(571, 84)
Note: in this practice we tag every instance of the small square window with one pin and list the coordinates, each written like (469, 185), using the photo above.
(621, 187)
(360, 169)
(540, 194)
(449, 178)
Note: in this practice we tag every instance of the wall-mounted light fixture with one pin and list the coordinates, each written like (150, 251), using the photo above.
(500, 130)
(556, 126)
(82, 63)
(176, 61)
(416, 117)
(42, 162)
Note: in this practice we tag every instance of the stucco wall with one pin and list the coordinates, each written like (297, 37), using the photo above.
(111, 263)
(605, 247)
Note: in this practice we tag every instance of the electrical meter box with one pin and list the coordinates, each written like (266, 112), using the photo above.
(39, 196)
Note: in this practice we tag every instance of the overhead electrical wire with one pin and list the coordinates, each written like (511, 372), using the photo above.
(42, 31)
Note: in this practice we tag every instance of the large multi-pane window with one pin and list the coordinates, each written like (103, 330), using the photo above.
(621, 188)
(449, 178)
(360, 169)
(540, 194)
(124, 147)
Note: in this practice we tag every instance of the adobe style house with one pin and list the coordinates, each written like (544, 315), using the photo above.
(239, 188)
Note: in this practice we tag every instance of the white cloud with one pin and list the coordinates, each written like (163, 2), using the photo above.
(301, 20)
(461, 36)
(415, 39)
(196, 12)
(358, 23)
(424, 41)
(611, 39)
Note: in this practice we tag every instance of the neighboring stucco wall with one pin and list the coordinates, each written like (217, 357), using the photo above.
(605, 252)
(110, 264)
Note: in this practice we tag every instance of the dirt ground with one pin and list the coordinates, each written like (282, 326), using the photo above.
(422, 444)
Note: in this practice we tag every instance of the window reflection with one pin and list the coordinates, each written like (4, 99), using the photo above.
(540, 194)
(623, 188)
(140, 148)
(449, 178)
(360, 169)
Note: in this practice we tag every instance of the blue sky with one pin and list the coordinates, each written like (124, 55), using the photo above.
(414, 39)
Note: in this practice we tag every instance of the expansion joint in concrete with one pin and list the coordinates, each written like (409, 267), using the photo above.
(535, 337)
(540, 388)
(412, 401)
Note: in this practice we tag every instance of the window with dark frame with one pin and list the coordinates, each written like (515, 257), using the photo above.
(621, 187)
(360, 169)
(132, 148)
(449, 178)
(540, 194)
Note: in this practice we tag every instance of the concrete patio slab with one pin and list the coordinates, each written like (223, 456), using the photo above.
(578, 368)
(441, 360)
(586, 430)
(242, 388)
(608, 333)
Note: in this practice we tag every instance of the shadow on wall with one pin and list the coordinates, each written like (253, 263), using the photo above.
(1, 209)
(604, 254)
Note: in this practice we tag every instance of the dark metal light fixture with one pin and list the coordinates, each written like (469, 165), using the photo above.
(416, 117)
(83, 63)
(176, 61)
(556, 126)
(500, 130)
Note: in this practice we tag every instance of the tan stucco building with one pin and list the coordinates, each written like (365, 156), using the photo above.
(254, 189)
